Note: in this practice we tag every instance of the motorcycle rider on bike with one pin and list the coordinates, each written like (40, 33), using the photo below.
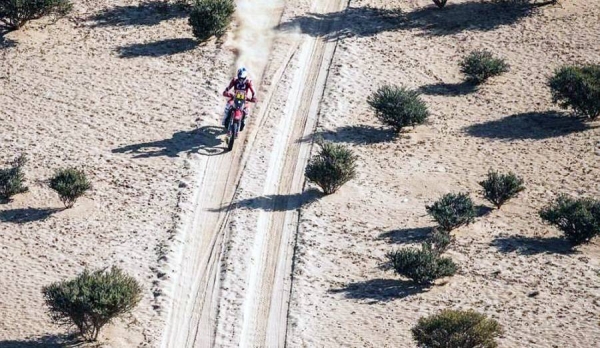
(242, 82)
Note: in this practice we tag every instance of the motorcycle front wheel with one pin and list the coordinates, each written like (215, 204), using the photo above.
(233, 131)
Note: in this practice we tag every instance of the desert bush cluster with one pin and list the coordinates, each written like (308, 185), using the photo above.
(457, 329)
(207, 18)
(12, 179)
(450, 212)
(398, 107)
(92, 300)
(577, 218)
(499, 188)
(68, 183)
(423, 266)
(573, 87)
(15, 13)
(577, 88)
(452, 328)
(480, 65)
(332, 167)
(211, 18)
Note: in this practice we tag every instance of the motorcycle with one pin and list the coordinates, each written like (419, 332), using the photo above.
(233, 122)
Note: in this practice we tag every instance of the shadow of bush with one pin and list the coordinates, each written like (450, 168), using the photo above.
(368, 21)
(157, 49)
(145, 14)
(449, 89)
(379, 290)
(532, 245)
(25, 215)
(530, 125)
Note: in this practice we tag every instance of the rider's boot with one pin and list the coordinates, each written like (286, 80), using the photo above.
(225, 114)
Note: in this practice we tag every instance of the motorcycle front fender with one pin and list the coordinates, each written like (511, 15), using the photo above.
(237, 115)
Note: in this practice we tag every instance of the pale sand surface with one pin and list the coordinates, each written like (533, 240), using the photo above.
(340, 296)
(119, 96)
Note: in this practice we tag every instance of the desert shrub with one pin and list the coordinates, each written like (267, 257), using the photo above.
(499, 188)
(398, 107)
(440, 3)
(452, 210)
(332, 167)
(12, 179)
(15, 13)
(439, 240)
(211, 18)
(479, 66)
(578, 219)
(70, 184)
(456, 329)
(577, 88)
(423, 265)
(92, 300)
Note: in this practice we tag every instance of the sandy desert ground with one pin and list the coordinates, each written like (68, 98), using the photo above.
(115, 89)
(340, 295)
(235, 250)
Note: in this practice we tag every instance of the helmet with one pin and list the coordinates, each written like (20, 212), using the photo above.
(242, 73)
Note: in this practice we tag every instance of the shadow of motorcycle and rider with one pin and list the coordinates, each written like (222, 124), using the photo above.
(205, 140)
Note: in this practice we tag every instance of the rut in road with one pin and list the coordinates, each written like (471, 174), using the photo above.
(233, 281)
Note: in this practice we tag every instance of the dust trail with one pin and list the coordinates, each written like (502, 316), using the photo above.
(254, 35)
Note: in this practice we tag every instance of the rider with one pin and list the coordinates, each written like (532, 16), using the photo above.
(242, 82)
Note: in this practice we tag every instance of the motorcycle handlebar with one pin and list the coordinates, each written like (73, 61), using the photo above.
(229, 95)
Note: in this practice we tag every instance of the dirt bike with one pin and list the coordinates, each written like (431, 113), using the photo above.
(233, 122)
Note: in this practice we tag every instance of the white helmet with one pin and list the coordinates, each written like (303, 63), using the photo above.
(242, 73)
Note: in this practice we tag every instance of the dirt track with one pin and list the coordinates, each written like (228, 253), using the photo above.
(246, 207)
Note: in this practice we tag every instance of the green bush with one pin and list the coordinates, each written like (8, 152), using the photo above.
(15, 13)
(70, 184)
(452, 211)
(11, 179)
(398, 107)
(440, 3)
(578, 219)
(577, 88)
(423, 265)
(479, 66)
(499, 188)
(332, 167)
(457, 329)
(92, 300)
(439, 240)
(211, 18)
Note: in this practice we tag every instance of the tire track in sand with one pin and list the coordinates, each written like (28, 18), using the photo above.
(196, 289)
(194, 292)
(265, 306)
